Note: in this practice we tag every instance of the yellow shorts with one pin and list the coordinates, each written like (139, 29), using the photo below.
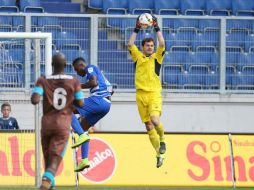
(149, 104)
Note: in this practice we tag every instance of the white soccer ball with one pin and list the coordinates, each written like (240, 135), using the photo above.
(146, 20)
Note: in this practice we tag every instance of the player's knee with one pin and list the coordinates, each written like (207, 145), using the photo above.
(155, 120)
(149, 125)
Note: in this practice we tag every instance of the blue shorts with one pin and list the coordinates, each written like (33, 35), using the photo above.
(95, 108)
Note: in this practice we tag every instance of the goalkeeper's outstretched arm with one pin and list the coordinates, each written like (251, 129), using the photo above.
(134, 34)
(158, 32)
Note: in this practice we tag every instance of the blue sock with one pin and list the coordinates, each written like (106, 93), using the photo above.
(85, 149)
(50, 176)
(76, 125)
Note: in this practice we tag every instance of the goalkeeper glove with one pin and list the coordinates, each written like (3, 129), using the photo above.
(155, 24)
(138, 26)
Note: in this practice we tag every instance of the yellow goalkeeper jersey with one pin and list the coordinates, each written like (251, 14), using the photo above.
(147, 69)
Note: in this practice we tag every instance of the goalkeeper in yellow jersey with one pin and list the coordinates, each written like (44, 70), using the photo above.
(148, 86)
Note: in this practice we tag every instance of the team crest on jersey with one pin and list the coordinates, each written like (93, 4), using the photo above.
(10, 123)
(90, 70)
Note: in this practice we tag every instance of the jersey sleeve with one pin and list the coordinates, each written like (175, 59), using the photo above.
(78, 94)
(135, 53)
(160, 54)
(39, 86)
(16, 124)
(90, 72)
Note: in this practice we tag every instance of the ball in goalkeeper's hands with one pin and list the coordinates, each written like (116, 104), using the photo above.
(145, 20)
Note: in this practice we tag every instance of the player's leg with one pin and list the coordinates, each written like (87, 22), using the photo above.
(155, 106)
(83, 137)
(144, 114)
(84, 149)
(95, 112)
(57, 148)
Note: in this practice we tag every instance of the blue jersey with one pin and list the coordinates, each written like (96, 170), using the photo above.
(8, 123)
(104, 88)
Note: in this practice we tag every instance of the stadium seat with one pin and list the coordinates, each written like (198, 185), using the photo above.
(41, 21)
(249, 42)
(245, 59)
(243, 8)
(8, 6)
(6, 24)
(107, 45)
(190, 7)
(239, 25)
(236, 38)
(176, 58)
(164, 7)
(66, 39)
(232, 58)
(32, 6)
(102, 34)
(185, 23)
(170, 74)
(95, 4)
(115, 6)
(141, 6)
(63, 7)
(246, 78)
(219, 7)
(208, 25)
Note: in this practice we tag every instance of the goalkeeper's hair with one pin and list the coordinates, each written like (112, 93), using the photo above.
(147, 40)
(77, 60)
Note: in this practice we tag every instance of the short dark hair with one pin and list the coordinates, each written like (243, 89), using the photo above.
(78, 60)
(6, 104)
(147, 40)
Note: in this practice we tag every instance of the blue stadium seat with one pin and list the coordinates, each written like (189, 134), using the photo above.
(95, 4)
(185, 23)
(219, 7)
(6, 24)
(107, 45)
(165, 7)
(190, 7)
(212, 80)
(239, 25)
(8, 6)
(12, 75)
(32, 6)
(232, 58)
(42, 21)
(245, 59)
(102, 34)
(75, 22)
(115, 6)
(236, 38)
(176, 58)
(66, 39)
(249, 42)
(141, 6)
(246, 78)
(17, 53)
(18, 23)
(215, 61)
(243, 8)
(208, 25)
(63, 7)
(185, 36)
(170, 74)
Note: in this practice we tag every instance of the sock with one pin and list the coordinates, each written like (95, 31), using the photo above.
(85, 149)
(160, 131)
(76, 125)
(154, 139)
(50, 176)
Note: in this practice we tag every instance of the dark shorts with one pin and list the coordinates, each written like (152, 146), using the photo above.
(94, 109)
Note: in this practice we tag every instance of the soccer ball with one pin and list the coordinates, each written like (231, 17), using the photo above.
(146, 20)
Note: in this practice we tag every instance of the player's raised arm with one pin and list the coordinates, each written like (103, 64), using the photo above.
(158, 32)
(37, 92)
(134, 34)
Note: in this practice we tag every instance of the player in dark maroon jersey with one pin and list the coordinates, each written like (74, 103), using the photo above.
(59, 93)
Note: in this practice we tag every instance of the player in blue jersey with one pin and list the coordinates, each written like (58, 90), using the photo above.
(7, 122)
(96, 106)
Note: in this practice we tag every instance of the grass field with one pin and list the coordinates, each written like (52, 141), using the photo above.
(132, 188)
